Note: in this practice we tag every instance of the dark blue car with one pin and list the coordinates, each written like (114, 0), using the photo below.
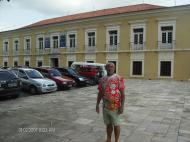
(10, 84)
(70, 72)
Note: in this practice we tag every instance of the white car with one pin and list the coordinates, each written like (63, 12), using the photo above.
(34, 82)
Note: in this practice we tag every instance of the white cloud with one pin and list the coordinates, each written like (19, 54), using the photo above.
(24, 12)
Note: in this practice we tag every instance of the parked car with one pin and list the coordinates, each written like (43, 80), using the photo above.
(53, 74)
(93, 71)
(10, 84)
(34, 82)
(99, 66)
(70, 72)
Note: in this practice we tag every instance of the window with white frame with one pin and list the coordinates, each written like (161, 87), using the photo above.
(166, 37)
(166, 68)
(16, 45)
(137, 67)
(137, 41)
(27, 43)
(138, 35)
(166, 32)
(40, 42)
(72, 40)
(6, 46)
(112, 38)
(91, 39)
(55, 41)
(113, 35)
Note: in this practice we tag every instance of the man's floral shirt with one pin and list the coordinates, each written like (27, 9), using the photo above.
(110, 87)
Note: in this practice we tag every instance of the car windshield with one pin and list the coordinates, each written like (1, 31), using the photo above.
(55, 72)
(71, 71)
(33, 74)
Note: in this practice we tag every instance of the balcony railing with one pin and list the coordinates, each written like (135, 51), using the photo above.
(137, 46)
(71, 49)
(112, 47)
(39, 51)
(90, 49)
(166, 45)
(54, 50)
(26, 51)
(5, 52)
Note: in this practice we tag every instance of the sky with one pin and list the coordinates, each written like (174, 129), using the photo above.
(19, 13)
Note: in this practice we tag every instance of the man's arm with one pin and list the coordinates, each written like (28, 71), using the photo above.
(122, 101)
(99, 97)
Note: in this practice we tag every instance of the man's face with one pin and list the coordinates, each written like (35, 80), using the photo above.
(110, 69)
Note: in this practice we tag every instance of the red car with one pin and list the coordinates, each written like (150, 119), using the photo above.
(53, 74)
(90, 72)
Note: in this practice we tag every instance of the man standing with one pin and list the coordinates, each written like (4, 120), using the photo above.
(112, 92)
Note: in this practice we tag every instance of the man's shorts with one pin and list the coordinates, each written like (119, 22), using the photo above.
(111, 117)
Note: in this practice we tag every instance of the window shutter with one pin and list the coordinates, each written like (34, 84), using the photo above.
(47, 42)
(115, 40)
(136, 39)
(111, 40)
(169, 37)
(63, 40)
(141, 39)
(163, 37)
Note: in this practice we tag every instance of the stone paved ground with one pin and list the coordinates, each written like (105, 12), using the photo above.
(156, 111)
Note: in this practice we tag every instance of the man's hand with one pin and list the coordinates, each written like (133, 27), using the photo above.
(97, 109)
(120, 111)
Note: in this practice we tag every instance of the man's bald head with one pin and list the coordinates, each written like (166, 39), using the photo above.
(110, 68)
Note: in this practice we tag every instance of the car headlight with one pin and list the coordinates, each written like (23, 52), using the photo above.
(3, 81)
(81, 79)
(64, 82)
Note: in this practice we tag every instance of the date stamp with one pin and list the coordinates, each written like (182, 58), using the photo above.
(36, 130)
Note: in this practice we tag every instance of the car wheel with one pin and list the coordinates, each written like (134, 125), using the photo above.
(33, 90)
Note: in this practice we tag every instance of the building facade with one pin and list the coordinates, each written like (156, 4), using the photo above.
(143, 41)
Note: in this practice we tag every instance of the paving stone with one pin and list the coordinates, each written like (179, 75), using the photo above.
(155, 111)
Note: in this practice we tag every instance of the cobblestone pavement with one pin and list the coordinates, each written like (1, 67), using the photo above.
(155, 111)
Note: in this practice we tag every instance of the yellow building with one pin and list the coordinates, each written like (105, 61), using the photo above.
(144, 41)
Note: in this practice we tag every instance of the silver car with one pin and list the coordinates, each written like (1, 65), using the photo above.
(33, 81)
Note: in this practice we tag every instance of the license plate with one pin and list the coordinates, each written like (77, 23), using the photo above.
(12, 84)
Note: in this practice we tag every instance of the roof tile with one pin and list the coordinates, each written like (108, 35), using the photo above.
(104, 12)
